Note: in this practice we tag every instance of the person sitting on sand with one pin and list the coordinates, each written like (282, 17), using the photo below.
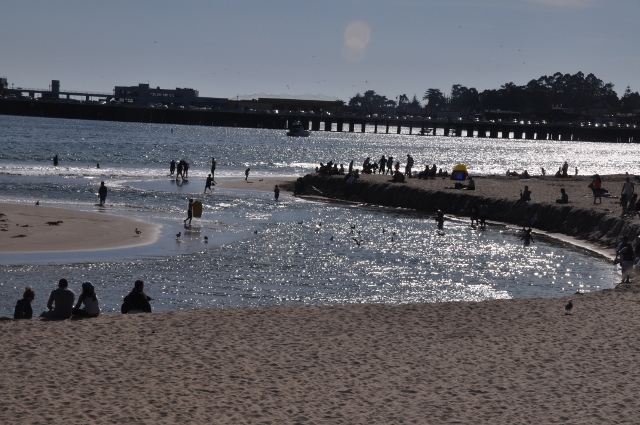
(23, 308)
(525, 195)
(60, 304)
(398, 177)
(90, 300)
(471, 184)
(564, 198)
(137, 301)
(525, 175)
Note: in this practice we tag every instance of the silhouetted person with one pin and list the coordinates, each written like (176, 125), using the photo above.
(137, 301)
(60, 302)
(23, 308)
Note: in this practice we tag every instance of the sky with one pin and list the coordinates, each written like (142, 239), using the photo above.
(325, 49)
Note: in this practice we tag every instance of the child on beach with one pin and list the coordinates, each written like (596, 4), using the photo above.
(23, 308)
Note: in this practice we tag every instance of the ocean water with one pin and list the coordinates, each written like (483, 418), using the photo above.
(297, 251)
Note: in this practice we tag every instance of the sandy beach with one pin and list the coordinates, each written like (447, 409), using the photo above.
(31, 228)
(493, 362)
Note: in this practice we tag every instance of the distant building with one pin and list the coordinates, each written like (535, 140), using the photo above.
(142, 95)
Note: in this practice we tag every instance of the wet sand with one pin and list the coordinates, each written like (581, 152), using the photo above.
(31, 228)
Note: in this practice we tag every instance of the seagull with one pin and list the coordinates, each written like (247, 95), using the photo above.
(138, 231)
(358, 241)
(178, 235)
(568, 307)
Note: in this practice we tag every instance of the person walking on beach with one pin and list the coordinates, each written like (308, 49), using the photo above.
(627, 189)
(596, 187)
(136, 301)
(189, 212)
(213, 169)
(389, 165)
(207, 185)
(23, 308)
(276, 192)
(408, 166)
(382, 164)
(172, 167)
(246, 173)
(625, 257)
(90, 300)
(102, 193)
(60, 304)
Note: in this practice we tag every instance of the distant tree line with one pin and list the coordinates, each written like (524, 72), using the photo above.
(538, 97)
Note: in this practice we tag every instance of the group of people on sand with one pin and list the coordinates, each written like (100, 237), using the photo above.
(385, 165)
(61, 302)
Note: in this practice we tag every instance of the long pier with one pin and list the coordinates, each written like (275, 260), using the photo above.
(224, 118)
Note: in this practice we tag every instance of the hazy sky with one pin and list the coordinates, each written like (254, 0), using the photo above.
(335, 48)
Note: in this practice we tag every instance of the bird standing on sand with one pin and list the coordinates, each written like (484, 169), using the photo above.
(178, 235)
(568, 307)
(138, 231)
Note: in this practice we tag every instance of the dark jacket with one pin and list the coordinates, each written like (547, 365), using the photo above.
(23, 310)
(136, 301)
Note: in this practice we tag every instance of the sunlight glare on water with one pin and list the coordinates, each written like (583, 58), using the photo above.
(259, 254)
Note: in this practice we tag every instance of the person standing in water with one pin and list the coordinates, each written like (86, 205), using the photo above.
(55, 160)
(172, 167)
(102, 193)
(208, 184)
(276, 192)
(440, 219)
(213, 170)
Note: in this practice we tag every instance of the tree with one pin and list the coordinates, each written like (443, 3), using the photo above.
(434, 98)
(463, 98)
